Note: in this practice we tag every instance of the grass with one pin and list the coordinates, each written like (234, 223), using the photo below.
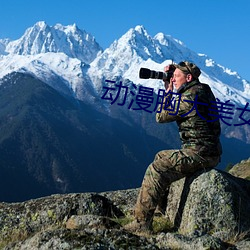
(239, 237)
(160, 223)
(123, 220)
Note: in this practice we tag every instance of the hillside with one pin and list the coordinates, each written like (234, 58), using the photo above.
(50, 143)
(57, 132)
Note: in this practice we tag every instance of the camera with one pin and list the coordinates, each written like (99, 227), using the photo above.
(145, 73)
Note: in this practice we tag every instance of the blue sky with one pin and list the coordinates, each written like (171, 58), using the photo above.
(218, 28)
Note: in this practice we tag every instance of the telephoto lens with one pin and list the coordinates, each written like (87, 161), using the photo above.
(147, 73)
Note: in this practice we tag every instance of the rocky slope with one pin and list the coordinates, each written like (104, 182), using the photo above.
(207, 211)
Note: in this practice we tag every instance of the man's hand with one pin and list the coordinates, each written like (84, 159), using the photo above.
(168, 85)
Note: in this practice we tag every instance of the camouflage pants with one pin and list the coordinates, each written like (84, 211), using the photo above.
(167, 167)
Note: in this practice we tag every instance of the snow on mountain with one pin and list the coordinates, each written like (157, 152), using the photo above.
(42, 38)
(70, 60)
(63, 73)
(3, 43)
(137, 49)
(57, 55)
(124, 56)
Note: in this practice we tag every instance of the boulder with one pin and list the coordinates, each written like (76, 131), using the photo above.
(179, 241)
(209, 210)
(210, 202)
(241, 169)
(19, 221)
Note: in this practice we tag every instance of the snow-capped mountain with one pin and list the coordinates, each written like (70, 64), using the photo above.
(50, 142)
(63, 73)
(57, 55)
(137, 49)
(72, 55)
(41, 38)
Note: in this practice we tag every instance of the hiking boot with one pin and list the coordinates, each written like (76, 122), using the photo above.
(140, 227)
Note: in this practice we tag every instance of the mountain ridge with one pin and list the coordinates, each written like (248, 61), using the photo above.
(135, 49)
(42, 38)
(154, 53)
(51, 135)
(55, 144)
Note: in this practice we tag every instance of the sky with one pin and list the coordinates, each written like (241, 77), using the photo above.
(217, 28)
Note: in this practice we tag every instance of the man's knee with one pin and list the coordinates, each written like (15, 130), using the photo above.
(162, 160)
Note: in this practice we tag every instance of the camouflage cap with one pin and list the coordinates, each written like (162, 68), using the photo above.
(189, 68)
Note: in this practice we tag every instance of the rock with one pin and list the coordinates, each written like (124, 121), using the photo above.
(124, 199)
(85, 239)
(241, 169)
(212, 202)
(243, 245)
(90, 221)
(20, 220)
(209, 210)
(178, 241)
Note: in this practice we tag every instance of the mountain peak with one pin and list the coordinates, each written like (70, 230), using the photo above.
(140, 29)
(69, 28)
(41, 24)
(42, 38)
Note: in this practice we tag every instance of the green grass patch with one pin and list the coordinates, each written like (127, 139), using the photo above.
(123, 220)
(162, 224)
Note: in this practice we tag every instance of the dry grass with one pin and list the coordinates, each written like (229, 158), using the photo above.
(238, 237)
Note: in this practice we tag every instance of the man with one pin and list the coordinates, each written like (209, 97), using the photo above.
(199, 130)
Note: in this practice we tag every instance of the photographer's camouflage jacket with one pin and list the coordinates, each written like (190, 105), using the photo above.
(195, 128)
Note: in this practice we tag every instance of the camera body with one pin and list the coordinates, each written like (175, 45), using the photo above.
(146, 73)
